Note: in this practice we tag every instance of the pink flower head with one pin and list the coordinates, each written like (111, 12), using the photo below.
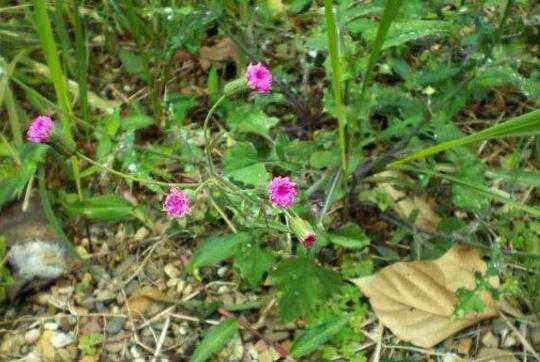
(259, 77)
(282, 192)
(40, 129)
(176, 203)
(309, 239)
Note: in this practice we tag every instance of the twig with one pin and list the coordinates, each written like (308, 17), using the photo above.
(523, 340)
(161, 339)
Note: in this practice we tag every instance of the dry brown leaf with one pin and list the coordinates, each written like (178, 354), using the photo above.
(415, 300)
(143, 298)
(223, 50)
(495, 355)
(426, 220)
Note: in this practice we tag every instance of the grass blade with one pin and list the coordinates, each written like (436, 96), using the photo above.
(526, 124)
(82, 61)
(44, 30)
(390, 12)
(337, 88)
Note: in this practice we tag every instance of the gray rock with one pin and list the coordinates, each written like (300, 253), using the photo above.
(61, 340)
(490, 340)
(115, 325)
(51, 326)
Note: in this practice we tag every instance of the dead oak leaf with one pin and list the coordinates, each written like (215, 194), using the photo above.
(416, 300)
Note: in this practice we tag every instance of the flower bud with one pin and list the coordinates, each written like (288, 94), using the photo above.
(234, 87)
(62, 145)
(303, 231)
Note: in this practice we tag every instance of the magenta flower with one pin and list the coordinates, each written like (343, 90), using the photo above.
(40, 129)
(176, 203)
(281, 192)
(259, 77)
(309, 239)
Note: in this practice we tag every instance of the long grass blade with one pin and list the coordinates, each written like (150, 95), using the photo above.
(48, 45)
(390, 12)
(527, 124)
(337, 88)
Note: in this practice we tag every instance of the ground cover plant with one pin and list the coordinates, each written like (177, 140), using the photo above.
(270, 180)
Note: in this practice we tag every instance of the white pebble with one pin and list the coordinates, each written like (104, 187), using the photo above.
(50, 326)
(32, 336)
(60, 340)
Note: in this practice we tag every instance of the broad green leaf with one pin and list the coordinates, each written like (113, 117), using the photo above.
(133, 63)
(302, 285)
(250, 119)
(405, 31)
(217, 248)
(322, 159)
(136, 121)
(215, 340)
(311, 339)
(253, 262)
(241, 164)
(349, 236)
(531, 178)
(105, 207)
(527, 124)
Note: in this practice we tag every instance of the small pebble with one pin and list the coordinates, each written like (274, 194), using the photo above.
(490, 340)
(171, 271)
(32, 336)
(50, 326)
(60, 340)
(509, 341)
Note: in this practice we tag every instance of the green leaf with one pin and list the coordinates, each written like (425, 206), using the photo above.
(90, 342)
(405, 31)
(215, 340)
(530, 178)
(133, 63)
(322, 159)
(311, 339)
(135, 122)
(253, 262)
(241, 163)
(105, 207)
(302, 285)
(217, 248)
(527, 124)
(350, 236)
(249, 119)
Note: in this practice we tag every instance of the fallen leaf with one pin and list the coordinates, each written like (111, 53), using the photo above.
(416, 300)
(142, 299)
(223, 50)
(404, 205)
(495, 355)
(45, 347)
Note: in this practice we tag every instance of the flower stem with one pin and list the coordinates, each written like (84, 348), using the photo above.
(206, 131)
(133, 178)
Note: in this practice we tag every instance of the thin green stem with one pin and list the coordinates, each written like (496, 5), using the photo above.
(131, 177)
(337, 88)
(206, 131)
(82, 64)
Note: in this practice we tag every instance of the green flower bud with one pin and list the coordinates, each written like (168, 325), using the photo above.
(234, 87)
(303, 231)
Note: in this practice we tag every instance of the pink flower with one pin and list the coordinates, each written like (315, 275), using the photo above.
(281, 192)
(176, 203)
(40, 129)
(309, 239)
(259, 77)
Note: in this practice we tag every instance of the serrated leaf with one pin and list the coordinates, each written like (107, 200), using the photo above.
(416, 300)
(104, 207)
(215, 340)
(349, 236)
(136, 121)
(241, 163)
(133, 63)
(218, 248)
(302, 285)
(311, 339)
(253, 262)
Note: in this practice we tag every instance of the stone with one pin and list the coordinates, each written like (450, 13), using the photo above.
(500, 327)
(115, 325)
(171, 271)
(105, 296)
(60, 340)
(510, 341)
(495, 354)
(32, 357)
(490, 340)
(464, 345)
(50, 326)
(32, 336)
